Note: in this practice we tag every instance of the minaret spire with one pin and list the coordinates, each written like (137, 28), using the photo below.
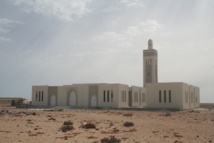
(150, 64)
(150, 44)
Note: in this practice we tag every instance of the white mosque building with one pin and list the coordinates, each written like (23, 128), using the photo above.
(153, 94)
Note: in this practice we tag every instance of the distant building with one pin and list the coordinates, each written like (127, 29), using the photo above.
(12, 101)
(173, 95)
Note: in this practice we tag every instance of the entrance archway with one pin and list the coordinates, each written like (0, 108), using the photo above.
(53, 100)
(93, 101)
(72, 99)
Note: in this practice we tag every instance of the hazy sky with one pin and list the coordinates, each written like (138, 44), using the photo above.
(58, 42)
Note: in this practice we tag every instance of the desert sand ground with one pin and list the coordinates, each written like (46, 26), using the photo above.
(39, 126)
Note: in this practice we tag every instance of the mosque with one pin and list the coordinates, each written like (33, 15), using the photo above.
(153, 94)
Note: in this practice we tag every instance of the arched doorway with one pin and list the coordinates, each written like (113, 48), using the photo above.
(93, 101)
(53, 100)
(72, 99)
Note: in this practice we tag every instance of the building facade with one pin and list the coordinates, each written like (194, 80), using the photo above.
(155, 95)
(89, 95)
(12, 101)
(172, 95)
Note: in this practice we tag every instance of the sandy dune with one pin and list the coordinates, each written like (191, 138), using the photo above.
(37, 126)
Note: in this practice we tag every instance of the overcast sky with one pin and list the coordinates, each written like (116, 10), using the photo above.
(58, 42)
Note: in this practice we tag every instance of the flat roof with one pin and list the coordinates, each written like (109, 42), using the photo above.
(12, 98)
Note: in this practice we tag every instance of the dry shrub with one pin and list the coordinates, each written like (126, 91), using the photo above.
(132, 130)
(177, 141)
(128, 124)
(75, 133)
(5, 131)
(111, 139)
(88, 126)
(177, 135)
(39, 133)
(124, 138)
(68, 122)
(53, 119)
(106, 132)
(128, 115)
(32, 135)
(114, 131)
(111, 124)
(155, 132)
(191, 111)
(67, 126)
(91, 137)
(167, 114)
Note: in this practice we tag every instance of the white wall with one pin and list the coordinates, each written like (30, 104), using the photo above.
(82, 95)
(112, 89)
(197, 96)
(62, 96)
(81, 91)
(186, 96)
(191, 96)
(135, 96)
(143, 100)
(123, 102)
(190, 93)
(43, 89)
(153, 95)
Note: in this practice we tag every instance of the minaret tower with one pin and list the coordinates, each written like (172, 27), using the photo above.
(150, 64)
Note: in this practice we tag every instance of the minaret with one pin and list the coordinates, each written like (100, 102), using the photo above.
(150, 64)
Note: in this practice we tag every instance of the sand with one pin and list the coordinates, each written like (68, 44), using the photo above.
(39, 126)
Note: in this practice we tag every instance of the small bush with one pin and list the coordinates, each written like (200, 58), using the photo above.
(53, 119)
(177, 135)
(128, 115)
(128, 124)
(66, 128)
(111, 124)
(167, 114)
(88, 126)
(191, 111)
(68, 123)
(29, 120)
(111, 139)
